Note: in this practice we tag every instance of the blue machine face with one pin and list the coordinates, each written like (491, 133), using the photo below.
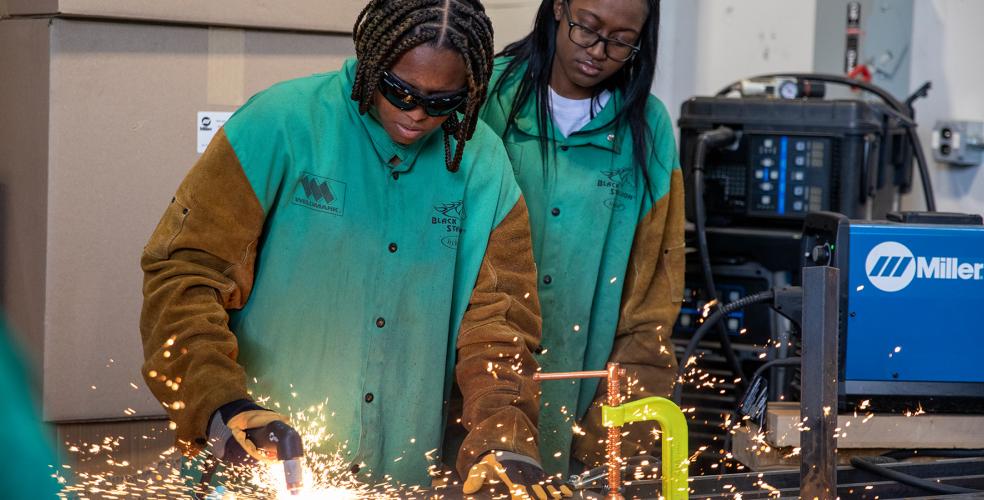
(915, 299)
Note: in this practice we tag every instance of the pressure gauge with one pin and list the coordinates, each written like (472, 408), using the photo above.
(789, 89)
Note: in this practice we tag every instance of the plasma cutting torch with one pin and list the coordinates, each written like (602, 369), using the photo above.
(277, 439)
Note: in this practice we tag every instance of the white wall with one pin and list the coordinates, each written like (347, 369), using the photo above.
(739, 38)
(707, 44)
(947, 39)
(511, 19)
(676, 71)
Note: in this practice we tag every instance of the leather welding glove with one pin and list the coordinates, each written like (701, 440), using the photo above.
(227, 431)
(521, 475)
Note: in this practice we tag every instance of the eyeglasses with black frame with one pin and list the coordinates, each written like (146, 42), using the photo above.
(405, 97)
(586, 37)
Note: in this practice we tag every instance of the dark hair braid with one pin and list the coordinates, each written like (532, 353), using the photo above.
(387, 29)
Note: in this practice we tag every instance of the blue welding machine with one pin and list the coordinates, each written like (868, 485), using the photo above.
(911, 302)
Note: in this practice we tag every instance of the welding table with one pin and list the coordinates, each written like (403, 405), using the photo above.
(852, 484)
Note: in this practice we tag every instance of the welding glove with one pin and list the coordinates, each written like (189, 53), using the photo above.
(229, 426)
(521, 475)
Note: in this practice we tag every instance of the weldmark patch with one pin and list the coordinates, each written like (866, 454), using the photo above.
(320, 193)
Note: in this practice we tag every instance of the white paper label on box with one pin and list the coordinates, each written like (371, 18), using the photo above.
(209, 122)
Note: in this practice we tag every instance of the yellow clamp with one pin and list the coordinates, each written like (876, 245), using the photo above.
(673, 425)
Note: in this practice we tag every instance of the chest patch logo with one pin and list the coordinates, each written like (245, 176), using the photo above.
(447, 217)
(619, 183)
(320, 193)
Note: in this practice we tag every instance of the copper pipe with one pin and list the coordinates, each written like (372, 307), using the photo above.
(613, 448)
(614, 445)
(569, 375)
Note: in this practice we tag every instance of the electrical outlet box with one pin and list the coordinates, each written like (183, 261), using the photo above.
(958, 142)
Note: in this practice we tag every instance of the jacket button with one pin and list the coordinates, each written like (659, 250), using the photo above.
(369, 397)
(392, 247)
(354, 469)
(380, 322)
(564, 148)
(555, 211)
(611, 137)
(396, 175)
(547, 279)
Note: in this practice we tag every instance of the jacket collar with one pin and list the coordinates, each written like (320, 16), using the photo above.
(384, 146)
(599, 132)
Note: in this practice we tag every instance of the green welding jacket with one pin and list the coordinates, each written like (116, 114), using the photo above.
(27, 467)
(610, 258)
(299, 256)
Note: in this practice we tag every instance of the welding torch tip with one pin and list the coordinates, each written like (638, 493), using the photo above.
(293, 476)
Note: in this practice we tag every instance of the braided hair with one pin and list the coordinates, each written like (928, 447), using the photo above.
(387, 29)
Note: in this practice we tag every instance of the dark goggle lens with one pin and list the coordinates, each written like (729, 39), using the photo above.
(444, 106)
(397, 97)
(404, 100)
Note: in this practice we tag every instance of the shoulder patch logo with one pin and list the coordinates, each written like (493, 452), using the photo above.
(320, 193)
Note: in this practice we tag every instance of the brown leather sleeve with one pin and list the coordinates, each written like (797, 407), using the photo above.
(197, 264)
(499, 332)
(650, 305)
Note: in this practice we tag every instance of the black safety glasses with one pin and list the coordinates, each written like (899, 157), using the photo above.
(405, 97)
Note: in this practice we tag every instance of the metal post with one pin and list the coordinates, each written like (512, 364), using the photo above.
(818, 447)
(613, 449)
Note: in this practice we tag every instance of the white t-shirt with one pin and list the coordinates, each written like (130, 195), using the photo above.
(571, 115)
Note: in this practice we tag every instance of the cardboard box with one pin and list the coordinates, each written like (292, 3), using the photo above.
(310, 15)
(512, 19)
(865, 430)
(23, 156)
(98, 127)
(748, 448)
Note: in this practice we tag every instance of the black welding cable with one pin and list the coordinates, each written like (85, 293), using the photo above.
(905, 110)
(901, 477)
(935, 452)
(790, 361)
(705, 327)
(927, 183)
(718, 137)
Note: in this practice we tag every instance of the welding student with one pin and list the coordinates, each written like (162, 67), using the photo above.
(594, 154)
(27, 468)
(339, 240)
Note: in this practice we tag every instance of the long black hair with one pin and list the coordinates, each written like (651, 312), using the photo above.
(386, 29)
(633, 80)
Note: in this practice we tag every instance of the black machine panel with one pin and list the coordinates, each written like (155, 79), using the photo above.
(771, 175)
(796, 156)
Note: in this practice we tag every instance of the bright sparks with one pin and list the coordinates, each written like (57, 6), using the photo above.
(326, 475)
